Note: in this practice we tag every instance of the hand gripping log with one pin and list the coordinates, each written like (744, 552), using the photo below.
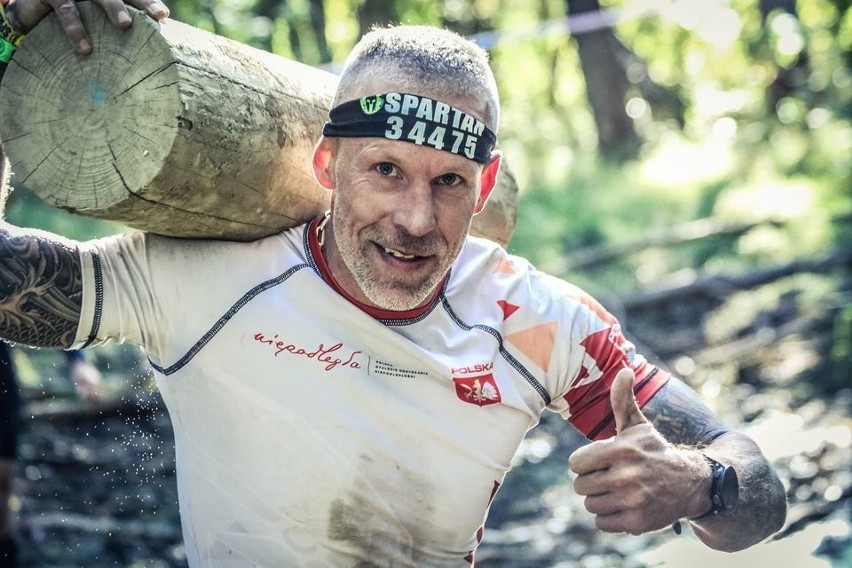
(174, 130)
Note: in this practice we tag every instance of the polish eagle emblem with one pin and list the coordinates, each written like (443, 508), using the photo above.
(481, 390)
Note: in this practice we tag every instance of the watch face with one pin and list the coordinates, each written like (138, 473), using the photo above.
(729, 490)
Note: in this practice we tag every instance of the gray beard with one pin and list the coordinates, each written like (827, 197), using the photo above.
(395, 296)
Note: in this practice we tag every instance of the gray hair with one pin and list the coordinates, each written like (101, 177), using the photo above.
(426, 58)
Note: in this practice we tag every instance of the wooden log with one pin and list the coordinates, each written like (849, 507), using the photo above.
(170, 129)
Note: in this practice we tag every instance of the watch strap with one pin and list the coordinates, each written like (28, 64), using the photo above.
(718, 502)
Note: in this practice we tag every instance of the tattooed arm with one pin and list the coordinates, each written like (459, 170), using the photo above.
(40, 283)
(653, 472)
(40, 273)
(681, 417)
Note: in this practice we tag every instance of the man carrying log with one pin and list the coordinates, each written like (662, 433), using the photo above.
(351, 392)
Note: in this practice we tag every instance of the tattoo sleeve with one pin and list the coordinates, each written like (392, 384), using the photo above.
(40, 290)
(40, 284)
(682, 417)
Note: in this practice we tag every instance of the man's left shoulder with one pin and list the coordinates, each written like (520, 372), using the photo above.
(485, 270)
(483, 255)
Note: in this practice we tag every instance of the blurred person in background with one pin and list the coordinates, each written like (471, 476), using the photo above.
(86, 379)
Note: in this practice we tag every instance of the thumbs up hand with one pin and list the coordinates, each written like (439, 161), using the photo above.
(635, 482)
(625, 409)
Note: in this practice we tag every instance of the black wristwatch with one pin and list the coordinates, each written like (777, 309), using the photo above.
(724, 489)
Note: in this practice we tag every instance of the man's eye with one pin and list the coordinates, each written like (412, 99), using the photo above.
(449, 179)
(385, 168)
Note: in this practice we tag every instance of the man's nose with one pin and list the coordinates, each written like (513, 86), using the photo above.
(415, 211)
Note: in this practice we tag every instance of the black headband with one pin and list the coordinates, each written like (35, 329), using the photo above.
(416, 119)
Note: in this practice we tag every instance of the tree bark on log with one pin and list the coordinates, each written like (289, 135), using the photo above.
(173, 130)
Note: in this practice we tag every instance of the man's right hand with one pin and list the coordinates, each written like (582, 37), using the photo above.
(25, 14)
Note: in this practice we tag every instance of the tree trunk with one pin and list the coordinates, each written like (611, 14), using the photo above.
(173, 130)
(792, 78)
(376, 13)
(271, 10)
(606, 86)
(317, 14)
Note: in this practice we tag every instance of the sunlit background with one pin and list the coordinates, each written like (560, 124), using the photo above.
(689, 163)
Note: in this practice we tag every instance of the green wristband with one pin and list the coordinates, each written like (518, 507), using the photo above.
(7, 49)
(7, 30)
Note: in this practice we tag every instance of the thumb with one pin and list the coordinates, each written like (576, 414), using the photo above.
(624, 406)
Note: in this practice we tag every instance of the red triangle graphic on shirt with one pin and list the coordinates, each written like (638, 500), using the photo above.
(508, 309)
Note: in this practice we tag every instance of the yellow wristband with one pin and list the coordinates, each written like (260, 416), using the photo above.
(7, 30)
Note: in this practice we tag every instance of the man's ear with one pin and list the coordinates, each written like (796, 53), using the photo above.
(488, 180)
(324, 164)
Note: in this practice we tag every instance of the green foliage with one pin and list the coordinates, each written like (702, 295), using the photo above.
(741, 154)
(747, 154)
(764, 133)
(25, 209)
(738, 157)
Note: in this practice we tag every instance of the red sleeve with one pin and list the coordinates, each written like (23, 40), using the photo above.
(588, 397)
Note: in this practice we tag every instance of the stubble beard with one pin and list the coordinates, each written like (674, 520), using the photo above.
(389, 293)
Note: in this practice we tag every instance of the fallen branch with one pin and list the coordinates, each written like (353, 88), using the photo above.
(721, 286)
(685, 233)
(742, 348)
(692, 231)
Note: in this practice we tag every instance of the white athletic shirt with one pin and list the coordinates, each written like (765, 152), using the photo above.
(314, 431)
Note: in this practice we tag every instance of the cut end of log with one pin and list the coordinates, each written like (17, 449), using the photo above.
(83, 132)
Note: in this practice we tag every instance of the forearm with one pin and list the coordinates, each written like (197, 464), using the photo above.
(40, 283)
(683, 419)
(762, 506)
(40, 290)
(41, 274)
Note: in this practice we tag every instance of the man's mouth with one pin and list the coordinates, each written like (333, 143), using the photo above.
(400, 255)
